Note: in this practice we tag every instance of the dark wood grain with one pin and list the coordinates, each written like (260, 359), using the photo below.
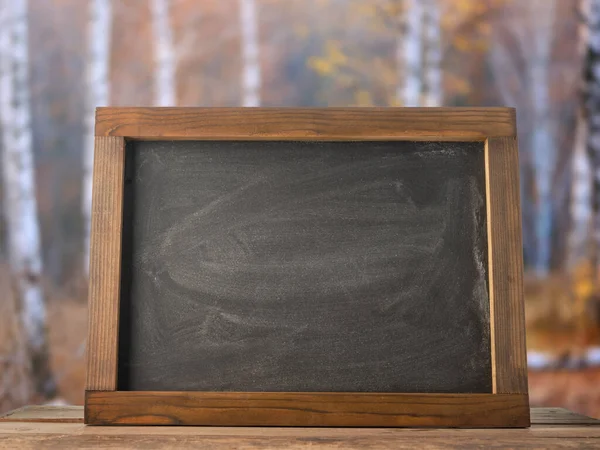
(306, 409)
(306, 266)
(105, 263)
(461, 124)
(509, 353)
(74, 414)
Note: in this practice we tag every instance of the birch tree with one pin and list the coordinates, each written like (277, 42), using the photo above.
(432, 61)
(581, 189)
(542, 140)
(409, 55)
(20, 203)
(592, 116)
(99, 42)
(523, 82)
(164, 54)
(419, 54)
(581, 197)
(251, 72)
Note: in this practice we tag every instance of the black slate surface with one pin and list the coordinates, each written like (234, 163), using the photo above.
(305, 266)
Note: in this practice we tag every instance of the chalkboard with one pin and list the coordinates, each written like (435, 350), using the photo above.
(313, 266)
(306, 267)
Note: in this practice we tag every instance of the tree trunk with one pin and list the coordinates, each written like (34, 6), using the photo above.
(432, 63)
(542, 140)
(99, 34)
(164, 54)
(409, 55)
(19, 189)
(592, 110)
(581, 196)
(581, 188)
(520, 57)
(251, 74)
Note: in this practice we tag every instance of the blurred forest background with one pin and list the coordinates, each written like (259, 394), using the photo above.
(59, 59)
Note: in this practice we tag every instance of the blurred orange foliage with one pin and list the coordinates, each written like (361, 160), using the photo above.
(562, 312)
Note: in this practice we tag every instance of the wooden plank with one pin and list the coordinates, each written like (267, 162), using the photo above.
(509, 357)
(540, 417)
(306, 409)
(560, 416)
(105, 263)
(45, 413)
(272, 433)
(301, 123)
(74, 414)
(551, 428)
(69, 435)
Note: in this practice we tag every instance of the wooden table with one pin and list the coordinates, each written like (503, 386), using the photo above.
(38, 427)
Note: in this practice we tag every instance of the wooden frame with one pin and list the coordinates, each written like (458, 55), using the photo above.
(506, 406)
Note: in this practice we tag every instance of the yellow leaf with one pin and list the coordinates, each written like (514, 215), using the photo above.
(321, 65)
(335, 54)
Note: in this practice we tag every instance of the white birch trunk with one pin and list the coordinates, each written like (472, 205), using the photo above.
(432, 64)
(592, 109)
(542, 139)
(581, 197)
(409, 55)
(581, 186)
(99, 34)
(528, 59)
(251, 73)
(164, 54)
(19, 187)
